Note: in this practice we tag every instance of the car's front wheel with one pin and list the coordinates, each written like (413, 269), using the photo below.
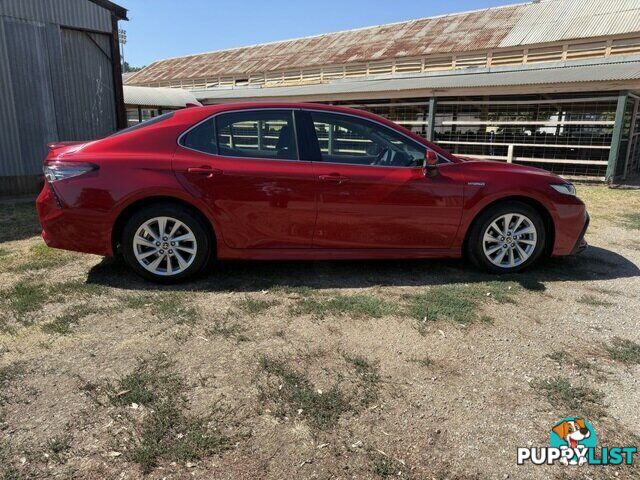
(165, 243)
(506, 238)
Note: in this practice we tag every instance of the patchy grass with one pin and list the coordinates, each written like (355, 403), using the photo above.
(9, 373)
(624, 351)
(76, 288)
(4, 252)
(71, 317)
(357, 306)
(631, 221)
(169, 306)
(299, 290)
(41, 257)
(23, 220)
(7, 471)
(368, 378)
(459, 303)
(25, 297)
(422, 361)
(227, 330)
(384, 466)
(58, 446)
(562, 358)
(143, 384)
(559, 356)
(594, 301)
(561, 393)
(252, 306)
(166, 432)
(294, 394)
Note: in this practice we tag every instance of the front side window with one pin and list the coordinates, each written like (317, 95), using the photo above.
(268, 134)
(347, 139)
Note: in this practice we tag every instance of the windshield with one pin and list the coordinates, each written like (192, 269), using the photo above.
(146, 123)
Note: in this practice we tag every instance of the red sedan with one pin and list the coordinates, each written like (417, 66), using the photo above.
(296, 181)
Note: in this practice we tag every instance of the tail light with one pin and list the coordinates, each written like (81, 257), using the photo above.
(55, 171)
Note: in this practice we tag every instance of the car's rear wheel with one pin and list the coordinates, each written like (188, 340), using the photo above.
(165, 243)
(507, 237)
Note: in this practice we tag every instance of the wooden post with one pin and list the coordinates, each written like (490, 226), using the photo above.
(431, 119)
(616, 138)
(631, 133)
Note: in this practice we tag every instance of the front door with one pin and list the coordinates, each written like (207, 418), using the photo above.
(245, 165)
(372, 190)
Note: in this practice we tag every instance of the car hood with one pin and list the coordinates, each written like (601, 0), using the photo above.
(480, 166)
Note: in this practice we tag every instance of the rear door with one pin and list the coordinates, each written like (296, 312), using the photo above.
(372, 192)
(245, 166)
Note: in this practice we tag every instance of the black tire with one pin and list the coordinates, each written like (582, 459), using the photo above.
(474, 246)
(203, 242)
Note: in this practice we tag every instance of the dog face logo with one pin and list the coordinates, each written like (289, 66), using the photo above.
(574, 436)
(572, 431)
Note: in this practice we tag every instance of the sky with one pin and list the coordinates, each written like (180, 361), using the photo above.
(160, 29)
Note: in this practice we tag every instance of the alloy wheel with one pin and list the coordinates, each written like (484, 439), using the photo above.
(165, 246)
(510, 240)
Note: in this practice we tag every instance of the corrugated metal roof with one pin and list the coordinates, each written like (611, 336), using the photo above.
(508, 26)
(553, 21)
(158, 97)
(69, 13)
(549, 75)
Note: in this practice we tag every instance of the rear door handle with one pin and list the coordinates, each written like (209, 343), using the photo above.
(334, 178)
(208, 171)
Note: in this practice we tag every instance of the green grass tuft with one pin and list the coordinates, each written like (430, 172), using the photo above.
(295, 394)
(459, 303)
(383, 466)
(631, 221)
(75, 288)
(579, 399)
(358, 306)
(59, 446)
(71, 317)
(254, 306)
(41, 257)
(368, 378)
(170, 306)
(8, 373)
(166, 432)
(625, 351)
(22, 218)
(25, 297)
(594, 301)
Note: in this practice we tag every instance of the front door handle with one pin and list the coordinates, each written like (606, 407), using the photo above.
(334, 178)
(204, 170)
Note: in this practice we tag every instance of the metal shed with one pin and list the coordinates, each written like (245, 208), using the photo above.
(60, 80)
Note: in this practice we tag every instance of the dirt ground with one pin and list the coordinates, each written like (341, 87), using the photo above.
(416, 369)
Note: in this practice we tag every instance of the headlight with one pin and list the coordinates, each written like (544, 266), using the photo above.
(55, 171)
(565, 188)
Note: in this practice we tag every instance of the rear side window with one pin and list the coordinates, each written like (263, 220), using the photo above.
(202, 138)
(268, 134)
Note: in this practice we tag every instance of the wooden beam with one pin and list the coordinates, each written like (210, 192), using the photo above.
(616, 138)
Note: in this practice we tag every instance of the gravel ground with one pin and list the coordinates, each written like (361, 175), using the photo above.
(422, 369)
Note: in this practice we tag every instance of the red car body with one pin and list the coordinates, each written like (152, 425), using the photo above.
(273, 209)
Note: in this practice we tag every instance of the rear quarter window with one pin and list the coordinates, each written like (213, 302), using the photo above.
(146, 123)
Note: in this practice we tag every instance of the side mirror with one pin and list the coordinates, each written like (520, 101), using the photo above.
(430, 167)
